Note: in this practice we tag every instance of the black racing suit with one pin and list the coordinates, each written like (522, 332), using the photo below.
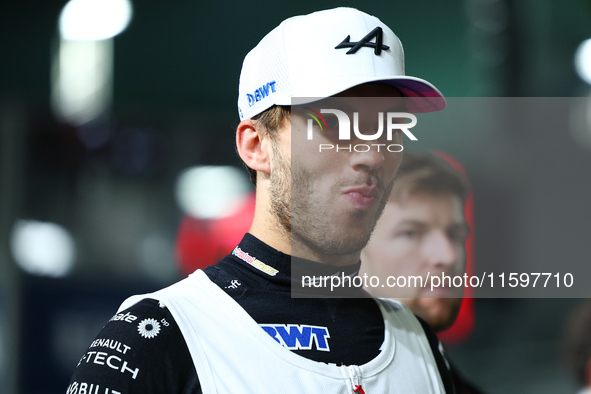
(141, 350)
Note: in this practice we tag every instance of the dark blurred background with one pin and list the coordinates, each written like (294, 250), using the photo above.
(117, 162)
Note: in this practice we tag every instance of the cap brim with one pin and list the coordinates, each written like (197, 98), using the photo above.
(422, 96)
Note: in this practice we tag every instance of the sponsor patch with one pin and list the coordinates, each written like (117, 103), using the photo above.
(111, 344)
(234, 284)
(111, 361)
(258, 264)
(89, 388)
(299, 336)
(127, 317)
(149, 328)
(366, 41)
(261, 93)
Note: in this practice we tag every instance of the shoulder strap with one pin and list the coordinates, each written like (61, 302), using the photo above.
(439, 354)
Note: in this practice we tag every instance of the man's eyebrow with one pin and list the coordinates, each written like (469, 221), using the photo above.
(412, 222)
(421, 223)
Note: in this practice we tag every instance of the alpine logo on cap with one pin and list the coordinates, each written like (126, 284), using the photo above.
(376, 33)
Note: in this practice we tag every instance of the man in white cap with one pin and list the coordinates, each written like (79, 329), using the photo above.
(237, 327)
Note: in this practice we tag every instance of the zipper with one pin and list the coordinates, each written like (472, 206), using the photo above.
(354, 375)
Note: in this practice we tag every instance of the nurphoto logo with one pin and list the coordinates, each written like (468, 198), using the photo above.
(394, 121)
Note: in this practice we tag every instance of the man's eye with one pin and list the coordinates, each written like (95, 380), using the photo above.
(332, 122)
(409, 234)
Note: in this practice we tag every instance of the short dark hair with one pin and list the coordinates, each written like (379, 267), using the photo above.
(424, 172)
(270, 120)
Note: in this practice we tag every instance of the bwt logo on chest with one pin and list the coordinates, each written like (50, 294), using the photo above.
(299, 336)
(261, 93)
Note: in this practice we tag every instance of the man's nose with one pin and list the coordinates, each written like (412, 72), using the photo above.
(441, 250)
(366, 156)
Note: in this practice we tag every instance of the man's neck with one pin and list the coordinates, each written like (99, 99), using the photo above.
(301, 249)
(269, 232)
(282, 241)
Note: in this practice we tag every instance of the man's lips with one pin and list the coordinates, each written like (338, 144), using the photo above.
(438, 292)
(362, 197)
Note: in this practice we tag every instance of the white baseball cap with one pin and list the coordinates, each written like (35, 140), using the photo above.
(322, 54)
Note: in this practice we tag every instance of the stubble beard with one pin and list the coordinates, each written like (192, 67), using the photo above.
(438, 320)
(299, 219)
(280, 181)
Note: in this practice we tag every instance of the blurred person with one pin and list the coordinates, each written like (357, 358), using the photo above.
(422, 233)
(577, 345)
(422, 230)
(234, 327)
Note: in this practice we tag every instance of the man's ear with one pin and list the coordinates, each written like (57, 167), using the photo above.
(253, 148)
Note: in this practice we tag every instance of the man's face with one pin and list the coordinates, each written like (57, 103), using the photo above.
(418, 234)
(335, 196)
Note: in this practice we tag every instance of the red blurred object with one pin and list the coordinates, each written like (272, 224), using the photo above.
(463, 327)
(203, 242)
